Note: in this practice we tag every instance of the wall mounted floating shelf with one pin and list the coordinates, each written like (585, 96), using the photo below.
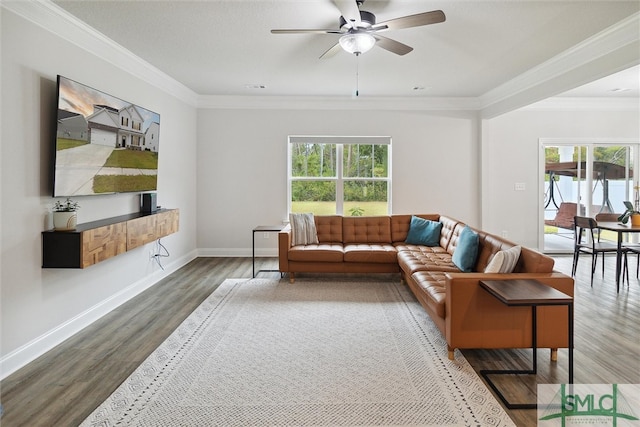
(97, 241)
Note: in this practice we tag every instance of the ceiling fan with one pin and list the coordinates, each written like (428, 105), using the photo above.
(359, 30)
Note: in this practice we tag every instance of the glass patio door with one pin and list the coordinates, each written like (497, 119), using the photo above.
(587, 180)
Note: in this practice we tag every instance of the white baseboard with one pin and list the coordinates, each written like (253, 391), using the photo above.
(237, 252)
(27, 353)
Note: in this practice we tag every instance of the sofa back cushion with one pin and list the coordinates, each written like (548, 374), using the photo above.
(329, 228)
(488, 247)
(400, 225)
(451, 229)
(366, 229)
(530, 261)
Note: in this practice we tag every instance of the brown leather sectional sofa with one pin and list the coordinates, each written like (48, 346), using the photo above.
(467, 315)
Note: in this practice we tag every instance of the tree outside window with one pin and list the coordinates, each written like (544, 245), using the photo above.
(330, 175)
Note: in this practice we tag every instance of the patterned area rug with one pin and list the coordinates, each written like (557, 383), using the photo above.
(266, 352)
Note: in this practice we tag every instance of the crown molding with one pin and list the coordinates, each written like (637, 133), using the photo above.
(610, 51)
(337, 103)
(56, 20)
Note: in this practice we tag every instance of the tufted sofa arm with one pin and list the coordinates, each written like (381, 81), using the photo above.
(284, 243)
(475, 319)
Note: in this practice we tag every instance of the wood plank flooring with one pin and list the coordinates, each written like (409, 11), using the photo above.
(63, 387)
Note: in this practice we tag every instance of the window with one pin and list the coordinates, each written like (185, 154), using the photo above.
(340, 175)
(583, 177)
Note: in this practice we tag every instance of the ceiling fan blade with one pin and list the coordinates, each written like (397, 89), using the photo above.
(392, 45)
(426, 18)
(349, 11)
(331, 51)
(303, 31)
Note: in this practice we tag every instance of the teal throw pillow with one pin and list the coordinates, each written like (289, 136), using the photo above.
(464, 257)
(423, 232)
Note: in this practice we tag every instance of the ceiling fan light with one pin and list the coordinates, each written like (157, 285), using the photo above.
(357, 43)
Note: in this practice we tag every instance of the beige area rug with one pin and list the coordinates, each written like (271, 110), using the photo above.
(269, 353)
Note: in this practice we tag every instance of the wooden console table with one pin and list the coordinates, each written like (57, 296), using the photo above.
(97, 241)
(531, 293)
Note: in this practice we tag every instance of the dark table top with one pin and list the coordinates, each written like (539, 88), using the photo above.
(269, 228)
(617, 226)
(525, 292)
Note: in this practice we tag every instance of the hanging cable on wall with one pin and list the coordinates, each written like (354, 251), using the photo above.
(161, 252)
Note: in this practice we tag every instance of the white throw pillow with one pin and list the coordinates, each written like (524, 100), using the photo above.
(504, 261)
(303, 229)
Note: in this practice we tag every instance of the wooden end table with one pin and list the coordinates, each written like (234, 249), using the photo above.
(530, 293)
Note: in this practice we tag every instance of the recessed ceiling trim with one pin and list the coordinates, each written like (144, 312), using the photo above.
(611, 50)
(337, 103)
(617, 44)
(58, 21)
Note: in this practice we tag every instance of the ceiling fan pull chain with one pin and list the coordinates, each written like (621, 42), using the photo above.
(357, 75)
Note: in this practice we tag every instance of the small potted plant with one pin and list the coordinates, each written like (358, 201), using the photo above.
(65, 216)
(631, 212)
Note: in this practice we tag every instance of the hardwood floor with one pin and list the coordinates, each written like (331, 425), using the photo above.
(606, 348)
(63, 387)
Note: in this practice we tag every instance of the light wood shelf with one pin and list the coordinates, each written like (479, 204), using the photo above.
(97, 241)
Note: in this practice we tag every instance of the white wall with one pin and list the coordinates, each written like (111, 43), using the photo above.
(242, 166)
(40, 307)
(510, 153)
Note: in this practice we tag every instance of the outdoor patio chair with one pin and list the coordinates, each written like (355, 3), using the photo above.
(564, 215)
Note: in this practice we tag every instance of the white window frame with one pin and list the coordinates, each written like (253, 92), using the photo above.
(340, 142)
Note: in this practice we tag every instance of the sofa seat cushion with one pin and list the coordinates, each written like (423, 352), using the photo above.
(323, 252)
(370, 252)
(433, 285)
(403, 246)
(423, 260)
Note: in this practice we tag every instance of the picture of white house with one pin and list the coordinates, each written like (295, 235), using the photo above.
(97, 118)
(118, 128)
(152, 137)
(103, 144)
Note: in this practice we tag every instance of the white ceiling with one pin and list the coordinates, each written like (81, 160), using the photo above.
(224, 47)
